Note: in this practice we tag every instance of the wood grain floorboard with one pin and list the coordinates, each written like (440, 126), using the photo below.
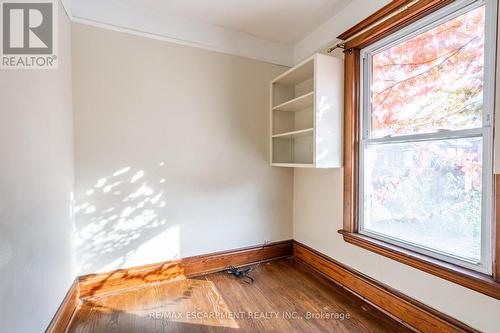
(283, 294)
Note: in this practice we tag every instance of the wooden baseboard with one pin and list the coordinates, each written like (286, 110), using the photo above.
(411, 312)
(65, 311)
(104, 283)
(468, 278)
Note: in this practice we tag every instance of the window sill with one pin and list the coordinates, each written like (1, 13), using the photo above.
(479, 282)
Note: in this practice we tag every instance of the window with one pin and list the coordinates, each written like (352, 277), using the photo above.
(418, 109)
(425, 142)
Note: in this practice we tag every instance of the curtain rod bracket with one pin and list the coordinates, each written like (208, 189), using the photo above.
(336, 46)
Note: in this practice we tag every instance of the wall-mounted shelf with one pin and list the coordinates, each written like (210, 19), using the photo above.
(297, 104)
(306, 114)
(299, 133)
(292, 165)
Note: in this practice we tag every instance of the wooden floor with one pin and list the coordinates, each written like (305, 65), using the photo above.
(287, 296)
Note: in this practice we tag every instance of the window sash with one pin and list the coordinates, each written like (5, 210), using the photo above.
(484, 266)
(447, 13)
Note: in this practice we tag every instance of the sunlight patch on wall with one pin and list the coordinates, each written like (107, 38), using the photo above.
(119, 222)
(168, 241)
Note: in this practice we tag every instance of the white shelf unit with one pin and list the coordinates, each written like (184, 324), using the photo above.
(306, 114)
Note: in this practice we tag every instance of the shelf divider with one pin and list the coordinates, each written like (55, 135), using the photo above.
(298, 133)
(297, 104)
(293, 165)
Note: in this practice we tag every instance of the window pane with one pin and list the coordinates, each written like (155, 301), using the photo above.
(426, 193)
(431, 81)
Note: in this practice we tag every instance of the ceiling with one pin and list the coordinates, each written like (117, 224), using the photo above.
(267, 30)
(282, 21)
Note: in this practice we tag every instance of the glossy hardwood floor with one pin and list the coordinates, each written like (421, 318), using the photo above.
(287, 296)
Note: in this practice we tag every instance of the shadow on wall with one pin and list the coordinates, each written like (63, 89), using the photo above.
(119, 221)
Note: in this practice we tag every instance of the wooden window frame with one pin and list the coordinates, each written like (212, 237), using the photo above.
(401, 13)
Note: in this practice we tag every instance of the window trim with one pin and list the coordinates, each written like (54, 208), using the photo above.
(484, 283)
(415, 29)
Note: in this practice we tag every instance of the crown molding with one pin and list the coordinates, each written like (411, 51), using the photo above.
(112, 15)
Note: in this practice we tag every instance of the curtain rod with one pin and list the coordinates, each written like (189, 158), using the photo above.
(341, 45)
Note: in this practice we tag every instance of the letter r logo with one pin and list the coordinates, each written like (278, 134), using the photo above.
(27, 27)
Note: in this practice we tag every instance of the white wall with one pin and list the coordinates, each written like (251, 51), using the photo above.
(36, 181)
(185, 133)
(318, 204)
